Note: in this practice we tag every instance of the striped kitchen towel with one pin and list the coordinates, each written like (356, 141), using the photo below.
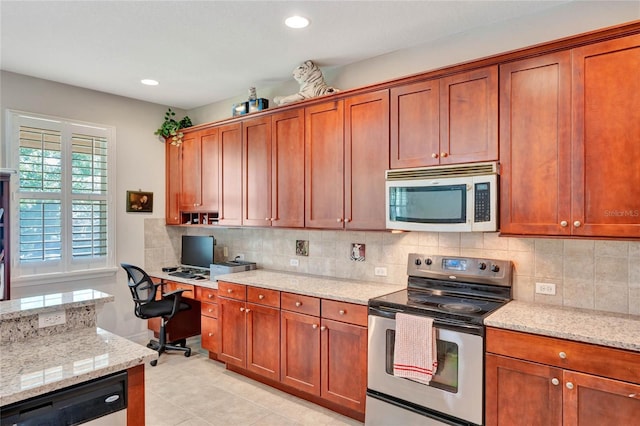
(415, 353)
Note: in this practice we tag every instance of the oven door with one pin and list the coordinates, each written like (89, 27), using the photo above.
(457, 387)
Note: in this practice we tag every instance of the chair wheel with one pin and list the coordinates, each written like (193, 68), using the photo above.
(187, 353)
(150, 345)
(154, 362)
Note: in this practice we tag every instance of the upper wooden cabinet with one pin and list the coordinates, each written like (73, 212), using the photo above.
(570, 126)
(449, 120)
(199, 169)
(347, 152)
(230, 174)
(273, 161)
(173, 184)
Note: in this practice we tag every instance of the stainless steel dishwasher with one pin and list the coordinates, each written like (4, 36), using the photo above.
(101, 401)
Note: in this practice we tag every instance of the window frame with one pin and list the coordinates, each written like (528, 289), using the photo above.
(66, 268)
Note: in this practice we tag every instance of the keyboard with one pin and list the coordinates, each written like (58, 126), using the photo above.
(181, 274)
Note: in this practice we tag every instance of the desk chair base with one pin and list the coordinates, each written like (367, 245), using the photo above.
(161, 346)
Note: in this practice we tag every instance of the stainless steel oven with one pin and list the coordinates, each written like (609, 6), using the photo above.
(457, 293)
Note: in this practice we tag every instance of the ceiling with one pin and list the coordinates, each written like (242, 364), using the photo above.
(206, 51)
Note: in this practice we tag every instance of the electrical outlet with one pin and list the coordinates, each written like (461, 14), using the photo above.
(546, 288)
(239, 256)
(294, 262)
(51, 318)
(380, 271)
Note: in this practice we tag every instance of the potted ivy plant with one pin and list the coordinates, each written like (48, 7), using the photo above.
(171, 127)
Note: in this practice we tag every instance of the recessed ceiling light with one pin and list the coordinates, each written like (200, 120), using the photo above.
(296, 22)
(149, 82)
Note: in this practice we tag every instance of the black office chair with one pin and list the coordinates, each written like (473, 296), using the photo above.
(143, 291)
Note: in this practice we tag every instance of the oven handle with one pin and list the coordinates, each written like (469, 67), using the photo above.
(387, 312)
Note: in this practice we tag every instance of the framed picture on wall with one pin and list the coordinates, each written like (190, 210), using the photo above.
(139, 202)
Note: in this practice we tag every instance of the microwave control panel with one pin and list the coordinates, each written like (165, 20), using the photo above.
(482, 199)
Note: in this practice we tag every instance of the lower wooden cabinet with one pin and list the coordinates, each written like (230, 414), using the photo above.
(208, 320)
(532, 380)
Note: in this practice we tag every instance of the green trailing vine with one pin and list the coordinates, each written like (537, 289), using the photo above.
(171, 127)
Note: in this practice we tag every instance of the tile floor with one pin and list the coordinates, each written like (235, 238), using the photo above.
(197, 391)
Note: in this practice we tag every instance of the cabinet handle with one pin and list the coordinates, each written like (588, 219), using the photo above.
(229, 291)
(210, 296)
(339, 219)
(569, 385)
(241, 309)
(323, 328)
(341, 312)
(266, 218)
(562, 355)
(298, 304)
(577, 223)
(555, 381)
(272, 219)
(444, 154)
(210, 334)
(564, 223)
(246, 311)
(434, 155)
(347, 220)
(314, 326)
(261, 296)
(210, 310)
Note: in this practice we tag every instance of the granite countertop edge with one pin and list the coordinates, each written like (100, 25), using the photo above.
(582, 325)
(340, 289)
(11, 311)
(104, 352)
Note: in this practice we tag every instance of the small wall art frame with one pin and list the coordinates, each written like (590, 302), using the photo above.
(139, 202)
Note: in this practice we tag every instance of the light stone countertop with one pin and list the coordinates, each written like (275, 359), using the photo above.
(597, 327)
(344, 290)
(35, 367)
(16, 308)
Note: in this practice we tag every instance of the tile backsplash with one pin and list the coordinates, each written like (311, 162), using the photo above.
(591, 274)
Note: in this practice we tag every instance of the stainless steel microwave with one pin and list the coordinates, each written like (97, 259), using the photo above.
(460, 198)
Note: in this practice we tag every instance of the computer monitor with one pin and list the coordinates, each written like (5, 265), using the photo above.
(197, 251)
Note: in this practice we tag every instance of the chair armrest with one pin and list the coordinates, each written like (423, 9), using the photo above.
(177, 298)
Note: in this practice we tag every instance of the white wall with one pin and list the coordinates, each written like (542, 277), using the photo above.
(139, 165)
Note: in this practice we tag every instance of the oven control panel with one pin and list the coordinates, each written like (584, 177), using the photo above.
(453, 268)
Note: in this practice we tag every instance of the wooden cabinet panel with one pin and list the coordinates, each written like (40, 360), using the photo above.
(595, 401)
(263, 296)
(230, 174)
(191, 190)
(209, 295)
(232, 343)
(257, 171)
(232, 291)
(189, 293)
(324, 168)
(263, 340)
(299, 303)
(344, 364)
(606, 132)
(173, 184)
(300, 351)
(209, 335)
(535, 104)
(209, 165)
(366, 157)
(522, 393)
(287, 190)
(345, 312)
(209, 309)
(469, 116)
(415, 124)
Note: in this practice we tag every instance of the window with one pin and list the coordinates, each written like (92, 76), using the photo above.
(62, 196)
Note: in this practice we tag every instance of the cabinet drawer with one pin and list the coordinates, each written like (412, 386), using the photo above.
(345, 312)
(232, 291)
(298, 303)
(207, 295)
(209, 335)
(584, 357)
(263, 296)
(209, 309)
(170, 286)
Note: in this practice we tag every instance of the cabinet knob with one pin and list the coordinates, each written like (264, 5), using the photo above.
(555, 381)
(564, 223)
(339, 219)
(314, 326)
(210, 310)
(347, 220)
(444, 155)
(341, 312)
(229, 290)
(434, 155)
(323, 328)
(266, 218)
(298, 304)
(261, 296)
(246, 311)
(272, 219)
(562, 355)
(241, 309)
(210, 296)
(569, 385)
(210, 334)
(577, 223)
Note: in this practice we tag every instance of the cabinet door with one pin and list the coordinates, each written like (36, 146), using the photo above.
(173, 184)
(209, 336)
(366, 157)
(535, 148)
(300, 352)
(232, 341)
(415, 125)
(344, 364)
(287, 181)
(592, 400)
(521, 393)
(469, 116)
(256, 164)
(230, 139)
(324, 168)
(191, 190)
(263, 340)
(209, 163)
(606, 132)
